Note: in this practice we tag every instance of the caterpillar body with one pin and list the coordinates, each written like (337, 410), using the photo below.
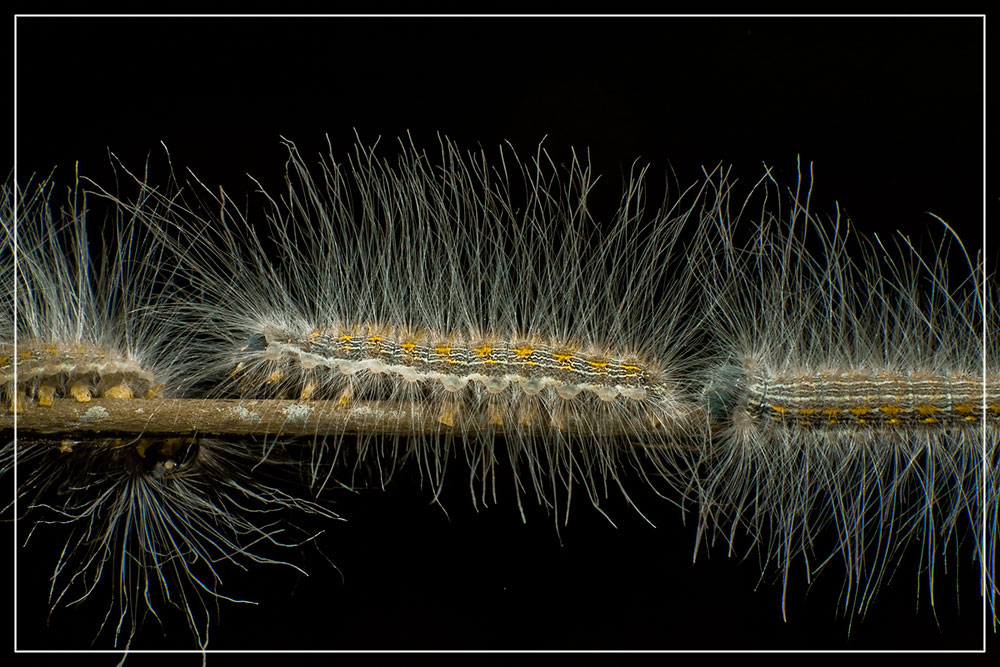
(148, 521)
(848, 390)
(410, 284)
(743, 366)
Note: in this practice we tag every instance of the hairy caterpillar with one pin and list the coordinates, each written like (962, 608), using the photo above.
(847, 390)
(259, 304)
(148, 522)
(410, 284)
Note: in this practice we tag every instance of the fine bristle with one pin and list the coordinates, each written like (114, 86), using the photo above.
(810, 394)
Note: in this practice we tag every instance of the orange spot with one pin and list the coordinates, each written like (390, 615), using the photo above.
(80, 392)
(408, 347)
(45, 395)
(598, 364)
(345, 397)
(443, 350)
(307, 390)
(483, 351)
(448, 413)
(562, 357)
(118, 391)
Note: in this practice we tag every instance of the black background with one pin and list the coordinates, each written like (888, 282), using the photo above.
(888, 110)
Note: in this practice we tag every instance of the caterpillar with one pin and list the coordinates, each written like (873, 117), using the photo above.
(851, 387)
(363, 312)
(148, 522)
(460, 307)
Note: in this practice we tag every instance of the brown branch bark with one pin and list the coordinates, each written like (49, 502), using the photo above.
(186, 417)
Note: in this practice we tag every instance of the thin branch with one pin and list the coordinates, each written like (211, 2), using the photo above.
(184, 417)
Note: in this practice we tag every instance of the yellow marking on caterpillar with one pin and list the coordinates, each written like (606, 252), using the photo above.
(408, 347)
(891, 411)
(66, 447)
(448, 412)
(51, 350)
(806, 412)
(80, 392)
(345, 397)
(17, 401)
(155, 391)
(483, 351)
(443, 350)
(274, 377)
(118, 391)
(24, 354)
(494, 415)
(970, 419)
(930, 420)
(994, 408)
(964, 408)
(523, 352)
(346, 338)
(859, 411)
(45, 395)
(926, 409)
(630, 368)
(142, 447)
(600, 365)
(307, 390)
(315, 334)
(562, 357)
(779, 409)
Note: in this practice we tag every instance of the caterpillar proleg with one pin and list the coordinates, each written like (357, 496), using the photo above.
(726, 351)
